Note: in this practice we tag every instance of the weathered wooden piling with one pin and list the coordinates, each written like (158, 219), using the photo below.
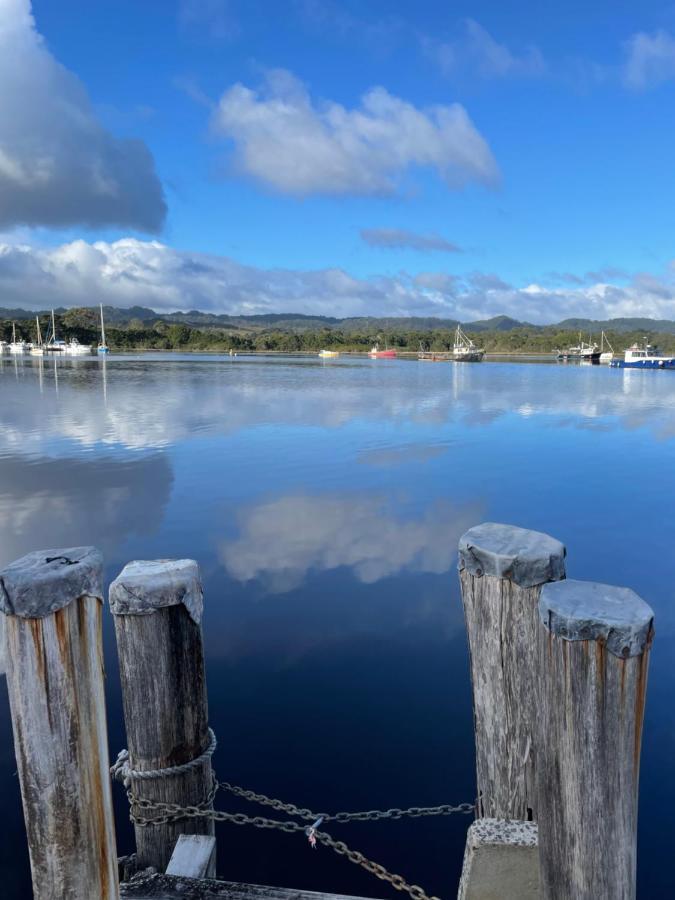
(594, 643)
(157, 607)
(52, 601)
(502, 569)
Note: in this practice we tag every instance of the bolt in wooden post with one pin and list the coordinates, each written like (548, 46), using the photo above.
(157, 607)
(502, 569)
(594, 644)
(52, 600)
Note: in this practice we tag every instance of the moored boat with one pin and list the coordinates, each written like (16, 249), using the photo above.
(75, 348)
(17, 346)
(38, 348)
(583, 352)
(53, 345)
(465, 350)
(606, 356)
(102, 345)
(328, 354)
(376, 353)
(647, 357)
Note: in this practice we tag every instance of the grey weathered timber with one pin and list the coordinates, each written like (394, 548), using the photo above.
(501, 570)
(501, 861)
(192, 856)
(593, 646)
(159, 641)
(170, 887)
(52, 601)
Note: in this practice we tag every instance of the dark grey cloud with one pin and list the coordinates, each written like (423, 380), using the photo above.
(58, 165)
(402, 239)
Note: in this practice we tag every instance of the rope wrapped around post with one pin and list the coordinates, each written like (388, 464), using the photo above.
(157, 609)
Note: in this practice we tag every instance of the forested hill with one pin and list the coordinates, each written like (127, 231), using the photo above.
(142, 328)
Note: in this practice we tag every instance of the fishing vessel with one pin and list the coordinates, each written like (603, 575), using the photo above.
(17, 346)
(465, 350)
(647, 357)
(328, 354)
(376, 353)
(583, 352)
(38, 348)
(102, 346)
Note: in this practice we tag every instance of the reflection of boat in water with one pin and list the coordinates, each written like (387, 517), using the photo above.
(376, 353)
(647, 357)
(583, 352)
(328, 354)
(465, 350)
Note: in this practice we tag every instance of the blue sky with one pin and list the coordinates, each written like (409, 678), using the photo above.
(339, 157)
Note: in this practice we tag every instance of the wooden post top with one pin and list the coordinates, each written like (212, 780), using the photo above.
(588, 611)
(525, 557)
(45, 581)
(144, 586)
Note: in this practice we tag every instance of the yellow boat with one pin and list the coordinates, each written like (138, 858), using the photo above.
(328, 354)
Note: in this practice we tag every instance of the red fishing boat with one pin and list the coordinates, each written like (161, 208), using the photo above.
(376, 353)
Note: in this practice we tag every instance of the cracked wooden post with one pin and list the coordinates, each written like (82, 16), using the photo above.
(594, 643)
(502, 569)
(52, 601)
(157, 607)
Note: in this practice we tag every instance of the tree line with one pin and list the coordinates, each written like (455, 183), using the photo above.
(162, 335)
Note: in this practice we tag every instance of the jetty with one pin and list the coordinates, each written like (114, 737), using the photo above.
(559, 675)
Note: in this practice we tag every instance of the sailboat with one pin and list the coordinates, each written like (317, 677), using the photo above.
(37, 349)
(606, 356)
(54, 346)
(103, 347)
(16, 346)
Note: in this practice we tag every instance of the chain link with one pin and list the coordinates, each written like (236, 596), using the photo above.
(371, 815)
(174, 812)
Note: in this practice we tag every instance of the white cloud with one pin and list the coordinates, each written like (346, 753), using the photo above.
(131, 272)
(58, 165)
(650, 60)
(478, 52)
(294, 145)
(402, 239)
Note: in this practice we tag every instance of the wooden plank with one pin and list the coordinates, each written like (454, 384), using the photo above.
(594, 649)
(157, 609)
(169, 887)
(52, 602)
(192, 856)
(502, 569)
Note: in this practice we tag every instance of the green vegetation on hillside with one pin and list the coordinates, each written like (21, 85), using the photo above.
(136, 330)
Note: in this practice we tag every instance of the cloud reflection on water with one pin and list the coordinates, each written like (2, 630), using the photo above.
(281, 540)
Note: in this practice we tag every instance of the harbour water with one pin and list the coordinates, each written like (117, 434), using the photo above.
(323, 501)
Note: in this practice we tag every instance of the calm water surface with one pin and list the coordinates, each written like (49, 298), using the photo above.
(323, 502)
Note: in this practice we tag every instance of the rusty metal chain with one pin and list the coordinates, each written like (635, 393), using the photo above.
(174, 812)
(371, 815)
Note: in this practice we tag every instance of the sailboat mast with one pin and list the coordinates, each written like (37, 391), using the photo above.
(53, 327)
(102, 327)
(39, 336)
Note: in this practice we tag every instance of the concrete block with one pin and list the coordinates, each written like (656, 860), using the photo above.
(501, 861)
